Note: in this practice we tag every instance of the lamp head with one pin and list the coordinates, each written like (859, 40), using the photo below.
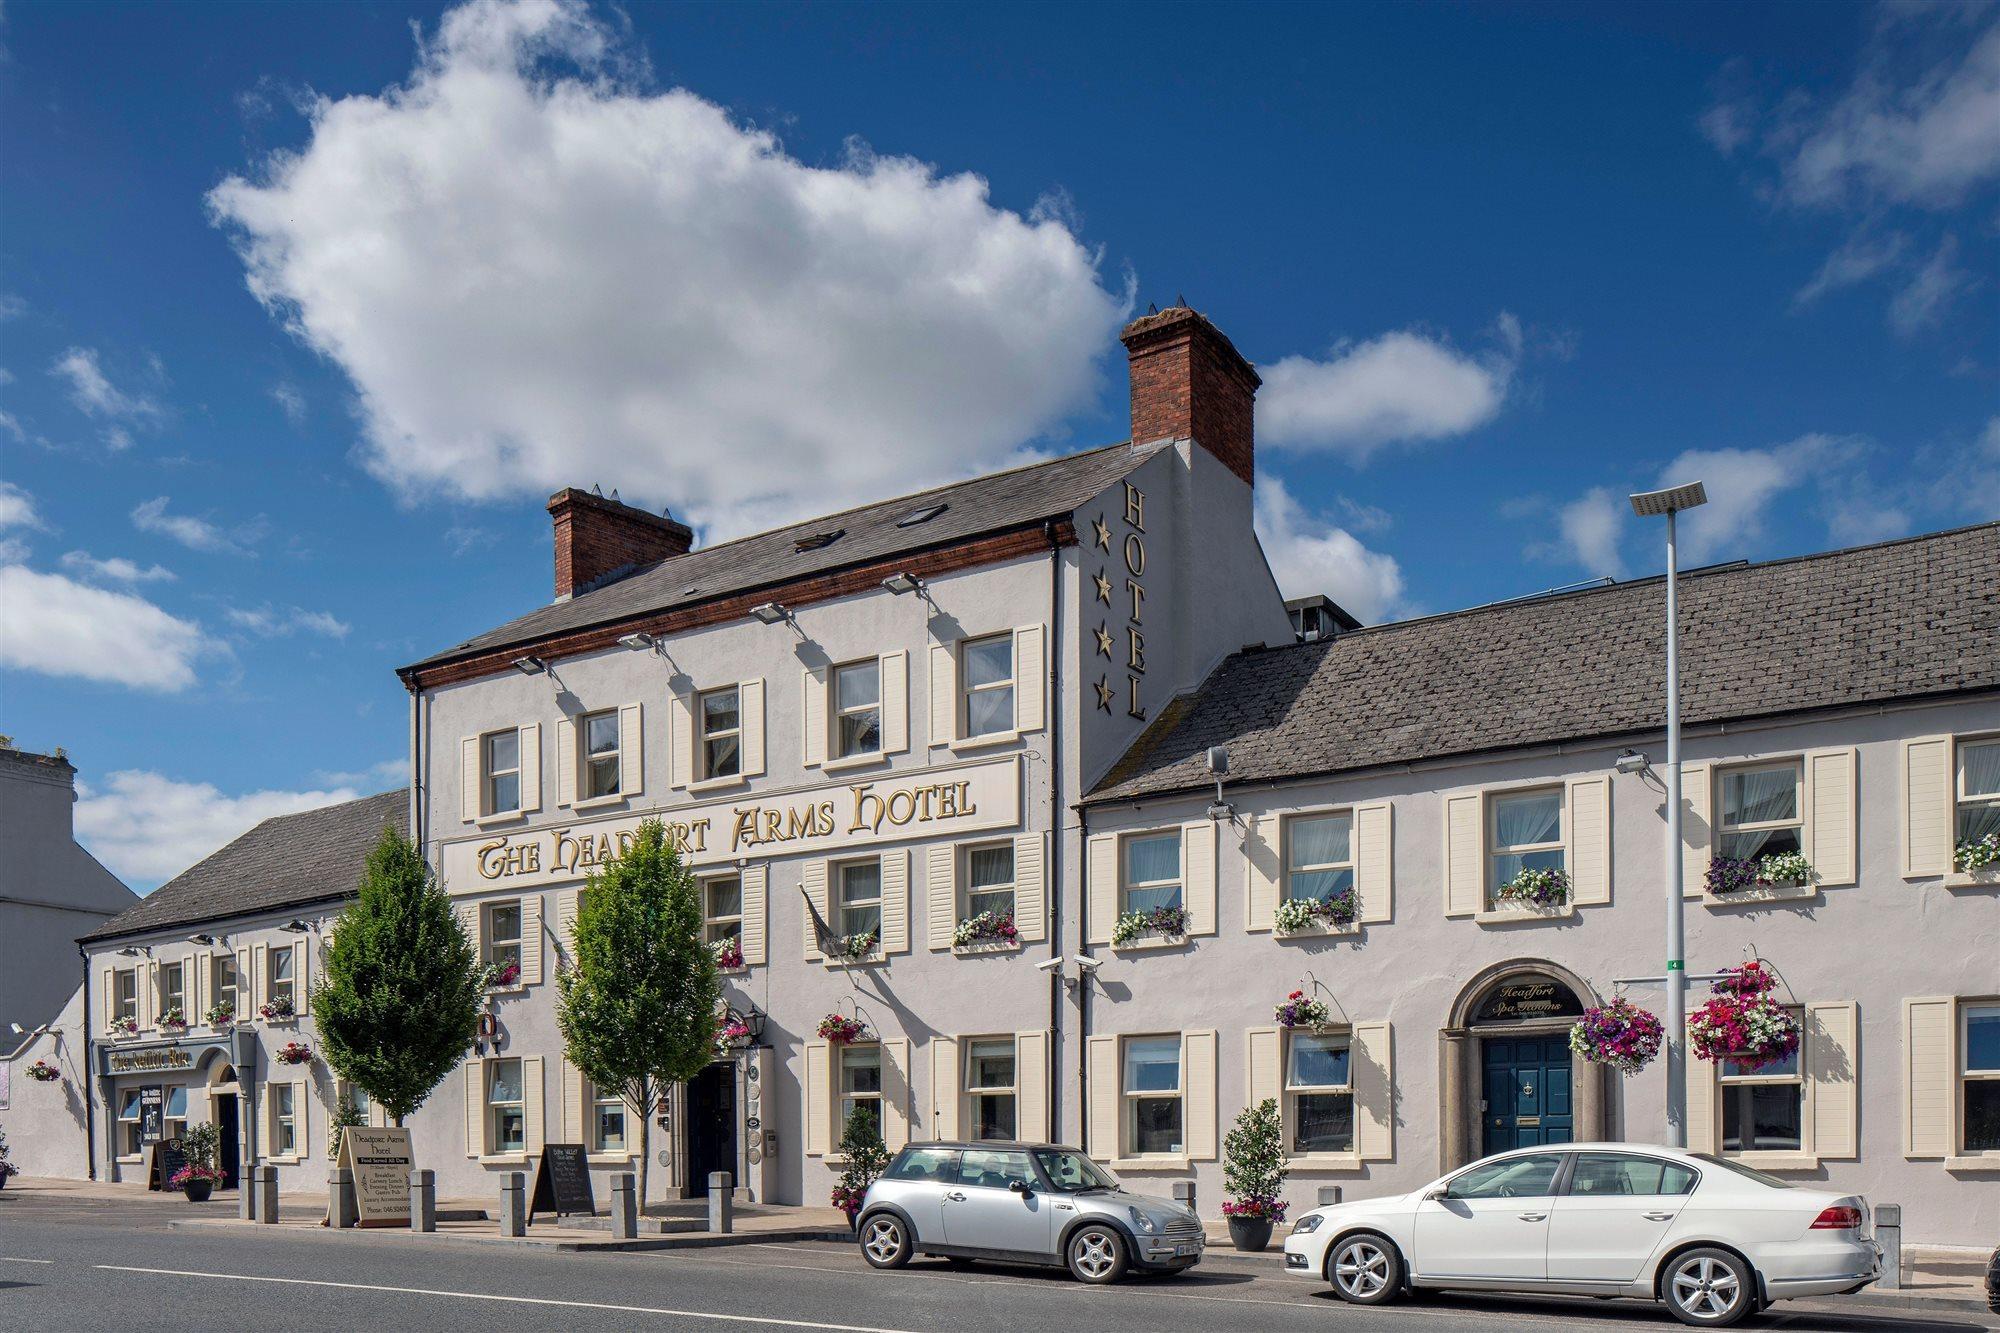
(1651, 504)
(901, 582)
(639, 641)
(530, 665)
(770, 613)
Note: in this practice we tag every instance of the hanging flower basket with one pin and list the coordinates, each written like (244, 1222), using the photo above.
(1537, 888)
(274, 1010)
(854, 948)
(1337, 912)
(840, 1029)
(43, 1072)
(1619, 1034)
(731, 1034)
(1744, 1022)
(1299, 1011)
(124, 1027)
(220, 1014)
(985, 928)
(1167, 922)
(294, 1053)
(728, 953)
(1976, 854)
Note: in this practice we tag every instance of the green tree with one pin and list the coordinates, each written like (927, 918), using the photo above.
(637, 1007)
(1253, 1167)
(400, 1003)
(867, 1157)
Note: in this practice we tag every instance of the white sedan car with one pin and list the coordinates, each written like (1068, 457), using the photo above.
(1712, 1240)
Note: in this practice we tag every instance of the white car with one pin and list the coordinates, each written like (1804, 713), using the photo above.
(1712, 1240)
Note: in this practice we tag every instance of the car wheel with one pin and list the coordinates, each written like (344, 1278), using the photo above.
(1709, 1288)
(1365, 1269)
(885, 1241)
(1096, 1255)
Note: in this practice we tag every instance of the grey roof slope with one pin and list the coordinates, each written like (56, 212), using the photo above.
(996, 502)
(1903, 619)
(286, 861)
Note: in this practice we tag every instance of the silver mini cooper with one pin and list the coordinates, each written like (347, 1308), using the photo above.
(1021, 1203)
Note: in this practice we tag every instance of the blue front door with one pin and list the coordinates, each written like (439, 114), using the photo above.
(1527, 1092)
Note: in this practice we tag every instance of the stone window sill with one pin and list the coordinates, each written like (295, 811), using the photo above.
(1978, 1162)
(598, 802)
(1988, 878)
(853, 761)
(1136, 1164)
(720, 784)
(503, 1159)
(872, 960)
(742, 971)
(609, 1158)
(1508, 916)
(501, 817)
(1324, 1161)
(1777, 893)
(1153, 942)
(985, 947)
(985, 742)
(1776, 1161)
(1316, 932)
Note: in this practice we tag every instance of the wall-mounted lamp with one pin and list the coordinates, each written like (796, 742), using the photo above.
(901, 582)
(771, 613)
(296, 927)
(1631, 761)
(130, 952)
(530, 665)
(639, 641)
(203, 940)
(1217, 760)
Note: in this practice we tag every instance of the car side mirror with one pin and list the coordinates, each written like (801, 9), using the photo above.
(1440, 1192)
(1019, 1187)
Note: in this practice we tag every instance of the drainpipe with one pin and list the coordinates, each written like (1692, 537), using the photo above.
(1083, 980)
(1056, 703)
(90, 1080)
(416, 769)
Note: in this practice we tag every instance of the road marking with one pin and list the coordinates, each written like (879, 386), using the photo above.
(508, 1300)
(4, 1259)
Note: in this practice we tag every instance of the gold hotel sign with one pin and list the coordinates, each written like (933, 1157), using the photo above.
(934, 803)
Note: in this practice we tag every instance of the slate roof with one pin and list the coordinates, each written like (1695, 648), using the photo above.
(1901, 620)
(997, 502)
(286, 861)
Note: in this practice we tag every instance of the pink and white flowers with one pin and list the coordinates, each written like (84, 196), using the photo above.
(1744, 1022)
(1619, 1034)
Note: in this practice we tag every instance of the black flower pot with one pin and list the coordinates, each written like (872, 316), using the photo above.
(1250, 1234)
(197, 1191)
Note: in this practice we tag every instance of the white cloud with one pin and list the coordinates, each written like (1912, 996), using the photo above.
(1742, 485)
(197, 534)
(97, 397)
(1922, 300)
(536, 271)
(117, 569)
(13, 551)
(278, 622)
(1310, 555)
(11, 307)
(1400, 387)
(1862, 257)
(375, 777)
(147, 827)
(17, 507)
(290, 401)
(59, 627)
(1592, 526)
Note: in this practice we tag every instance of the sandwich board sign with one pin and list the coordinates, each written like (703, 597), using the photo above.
(562, 1182)
(379, 1161)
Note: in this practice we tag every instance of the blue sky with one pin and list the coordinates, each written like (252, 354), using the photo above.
(307, 308)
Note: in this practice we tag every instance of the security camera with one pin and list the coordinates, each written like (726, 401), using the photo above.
(1631, 761)
(1050, 965)
(1084, 963)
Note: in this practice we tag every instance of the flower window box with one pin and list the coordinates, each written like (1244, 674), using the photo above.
(1543, 889)
(986, 929)
(1337, 913)
(729, 954)
(1977, 856)
(1783, 874)
(1169, 924)
(277, 1010)
(861, 947)
(220, 1015)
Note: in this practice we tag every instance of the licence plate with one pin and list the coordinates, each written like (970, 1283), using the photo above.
(1186, 1248)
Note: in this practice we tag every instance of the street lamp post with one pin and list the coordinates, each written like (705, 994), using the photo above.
(1649, 505)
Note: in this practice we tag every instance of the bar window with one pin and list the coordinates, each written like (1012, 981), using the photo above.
(990, 1086)
(1758, 813)
(860, 1085)
(1979, 1065)
(225, 995)
(857, 704)
(173, 993)
(987, 669)
(861, 898)
(1978, 789)
(503, 941)
(1763, 1110)
(125, 995)
(722, 909)
(989, 880)
(1320, 1090)
(176, 1117)
(1152, 878)
(506, 1117)
(721, 733)
(601, 767)
(1525, 832)
(1319, 857)
(1153, 1096)
(284, 1120)
(607, 1121)
(130, 1128)
(500, 758)
(279, 987)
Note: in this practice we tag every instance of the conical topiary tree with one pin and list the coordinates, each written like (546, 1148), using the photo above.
(867, 1158)
(400, 1003)
(1253, 1163)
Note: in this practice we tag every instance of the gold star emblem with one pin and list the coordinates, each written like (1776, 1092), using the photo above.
(1104, 693)
(1103, 588)
(1102, 531)
(1103, 640)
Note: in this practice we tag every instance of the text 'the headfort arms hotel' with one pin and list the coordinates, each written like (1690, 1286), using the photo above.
(994, 701)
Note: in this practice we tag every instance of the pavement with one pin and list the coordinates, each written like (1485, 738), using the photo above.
(109, 1258)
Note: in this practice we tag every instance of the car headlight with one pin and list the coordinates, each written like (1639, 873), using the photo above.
(1144, 1222)
(1307, 1225)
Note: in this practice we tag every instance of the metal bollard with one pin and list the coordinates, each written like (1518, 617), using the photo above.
(721, 1205)
(267, 1195)
(340, 1199)
(514, 1205)
(625, 1205)
(246, 1192)
(1889, 1235)
(1184, 1194)
(423, 1201)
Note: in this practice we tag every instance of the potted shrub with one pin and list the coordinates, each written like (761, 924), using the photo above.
(1337, 911)
(1537, 888)
(1253, 1171)
(1976, 854)
(839, 1028)
(1743, 1022)
(1619, 1034)
(7, 1168)
(867, 1157)
(198, 1178)
(985, 928)
(43, 1072)
(728, 953)
(1301, 1011)
(1166, 922)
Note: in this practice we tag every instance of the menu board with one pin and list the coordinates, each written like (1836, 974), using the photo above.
(379, 1160)
(562, 1182)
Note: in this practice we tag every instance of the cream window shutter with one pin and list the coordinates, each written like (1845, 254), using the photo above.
(895, 1092)
(469, 795)
(895, 702)
(1374, 863)
(756, 881)
(1464, 854)
(1701, 1108)
(198, 968)
(750, 699)
(301, 978)
(531, 766)
(1102, 1132)
(475, 1108)
(1198, 875)
(1373, 1074)
(945, 1086)
(631, 751)
(566, 764)
(469, 920)
(680, 740)
(896, 900)
(1833, 1068)
(1263, 870)
(248, 984)
(944, 694)
(819, 1098)
(149, 995)
(573, 1125)
(940, 894)
(1830, 816)
(1103, 895)
(1031, 1086)
(110, 996)
(812, 878)
(1264, 1066)
(812, 715)
(534, 1109)
(1031, 678)
(1198, 1094)
(1588, 839)
(1927, 807)
(566, 900)
(1930, 1076)
(531, 939)
(260, 963)
(1031, 886)
(301, 1101)
(1697, 832)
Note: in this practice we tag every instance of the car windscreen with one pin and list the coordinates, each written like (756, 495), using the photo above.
(1070, 1172)
(1743, 1170)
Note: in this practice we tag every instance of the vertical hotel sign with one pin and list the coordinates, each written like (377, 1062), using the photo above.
(1121, 590)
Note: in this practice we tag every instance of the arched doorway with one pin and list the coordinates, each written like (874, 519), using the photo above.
(225, 1113)
(1509, 1079)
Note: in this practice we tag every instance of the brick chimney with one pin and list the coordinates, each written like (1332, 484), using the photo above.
(1190, 382)
(599, 539)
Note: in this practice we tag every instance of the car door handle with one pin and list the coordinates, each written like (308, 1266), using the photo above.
(1534, 1217)
(1659, 1217)
(955, 1197)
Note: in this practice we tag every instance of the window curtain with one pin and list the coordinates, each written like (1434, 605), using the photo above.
(1520, 820)
(1756, 798)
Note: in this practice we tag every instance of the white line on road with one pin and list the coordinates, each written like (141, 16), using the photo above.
(510, 1300)
(5, 1259)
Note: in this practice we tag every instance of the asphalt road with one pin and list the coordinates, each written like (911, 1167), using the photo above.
(114, 1267)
